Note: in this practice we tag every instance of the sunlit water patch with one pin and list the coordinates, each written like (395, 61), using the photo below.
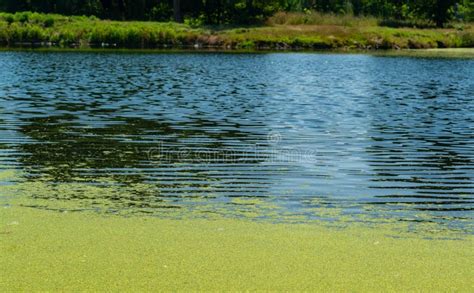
(299, 136)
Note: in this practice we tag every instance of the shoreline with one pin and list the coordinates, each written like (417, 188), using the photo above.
(79, 32)
(456, 53)
(270, 47)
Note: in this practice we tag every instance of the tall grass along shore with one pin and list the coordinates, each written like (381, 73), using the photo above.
(282, 31)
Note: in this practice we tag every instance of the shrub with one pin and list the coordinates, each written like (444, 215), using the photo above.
(161, 12)
(246, 45)
(48, 22)
(195, 22)
(35, 33)
(22, 17)
(133, 37)
(9, 18)
(64, 38)
(467, 39)
(16, 32)
(4, 36)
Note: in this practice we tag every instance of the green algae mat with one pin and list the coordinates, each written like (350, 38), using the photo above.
(44, 250)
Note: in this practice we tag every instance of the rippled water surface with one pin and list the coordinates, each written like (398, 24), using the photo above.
(358, 133)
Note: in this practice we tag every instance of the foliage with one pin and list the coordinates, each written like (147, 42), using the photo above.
(28, 27)
(286, 31)
(401, 12)
(316, 18)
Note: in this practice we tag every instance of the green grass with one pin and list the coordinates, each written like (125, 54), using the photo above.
(80, 31)
(316, 18)
(283, 31)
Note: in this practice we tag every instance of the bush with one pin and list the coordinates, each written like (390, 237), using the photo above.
(467, 40)
(16, 32)
(4, 37)
(22, 17)
(161, 12)
(48, 22)
(9, 19)
(64, 38)
(195, 22)
(133, 37)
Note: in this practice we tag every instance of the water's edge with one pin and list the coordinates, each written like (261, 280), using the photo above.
(434, 53)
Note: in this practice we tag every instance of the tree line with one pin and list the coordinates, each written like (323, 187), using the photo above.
(246, 11)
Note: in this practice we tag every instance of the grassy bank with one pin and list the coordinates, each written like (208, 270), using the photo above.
(281, 32)
(50, 251)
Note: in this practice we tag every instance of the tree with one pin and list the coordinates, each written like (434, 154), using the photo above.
(178, 16)
(441, 15)
(245, 11)
(437, 11)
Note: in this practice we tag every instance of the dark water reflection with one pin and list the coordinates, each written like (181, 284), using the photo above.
(352, 131)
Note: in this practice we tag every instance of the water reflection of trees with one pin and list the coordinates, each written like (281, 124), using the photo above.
(65, 151)
(79, 122)
(130, 151)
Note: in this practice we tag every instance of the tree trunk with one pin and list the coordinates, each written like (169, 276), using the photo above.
(122, 9)
(441, 13)
(178, 17)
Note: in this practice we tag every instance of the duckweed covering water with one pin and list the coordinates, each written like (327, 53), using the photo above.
(44, 250)
(49, 243)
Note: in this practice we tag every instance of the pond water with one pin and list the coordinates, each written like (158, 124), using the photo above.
(387, 136)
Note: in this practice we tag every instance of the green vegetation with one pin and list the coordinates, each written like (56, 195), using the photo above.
(83, 31)
(399, 12)
(282, 24)
(49, 251)
(107, 196)
(283, 31)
